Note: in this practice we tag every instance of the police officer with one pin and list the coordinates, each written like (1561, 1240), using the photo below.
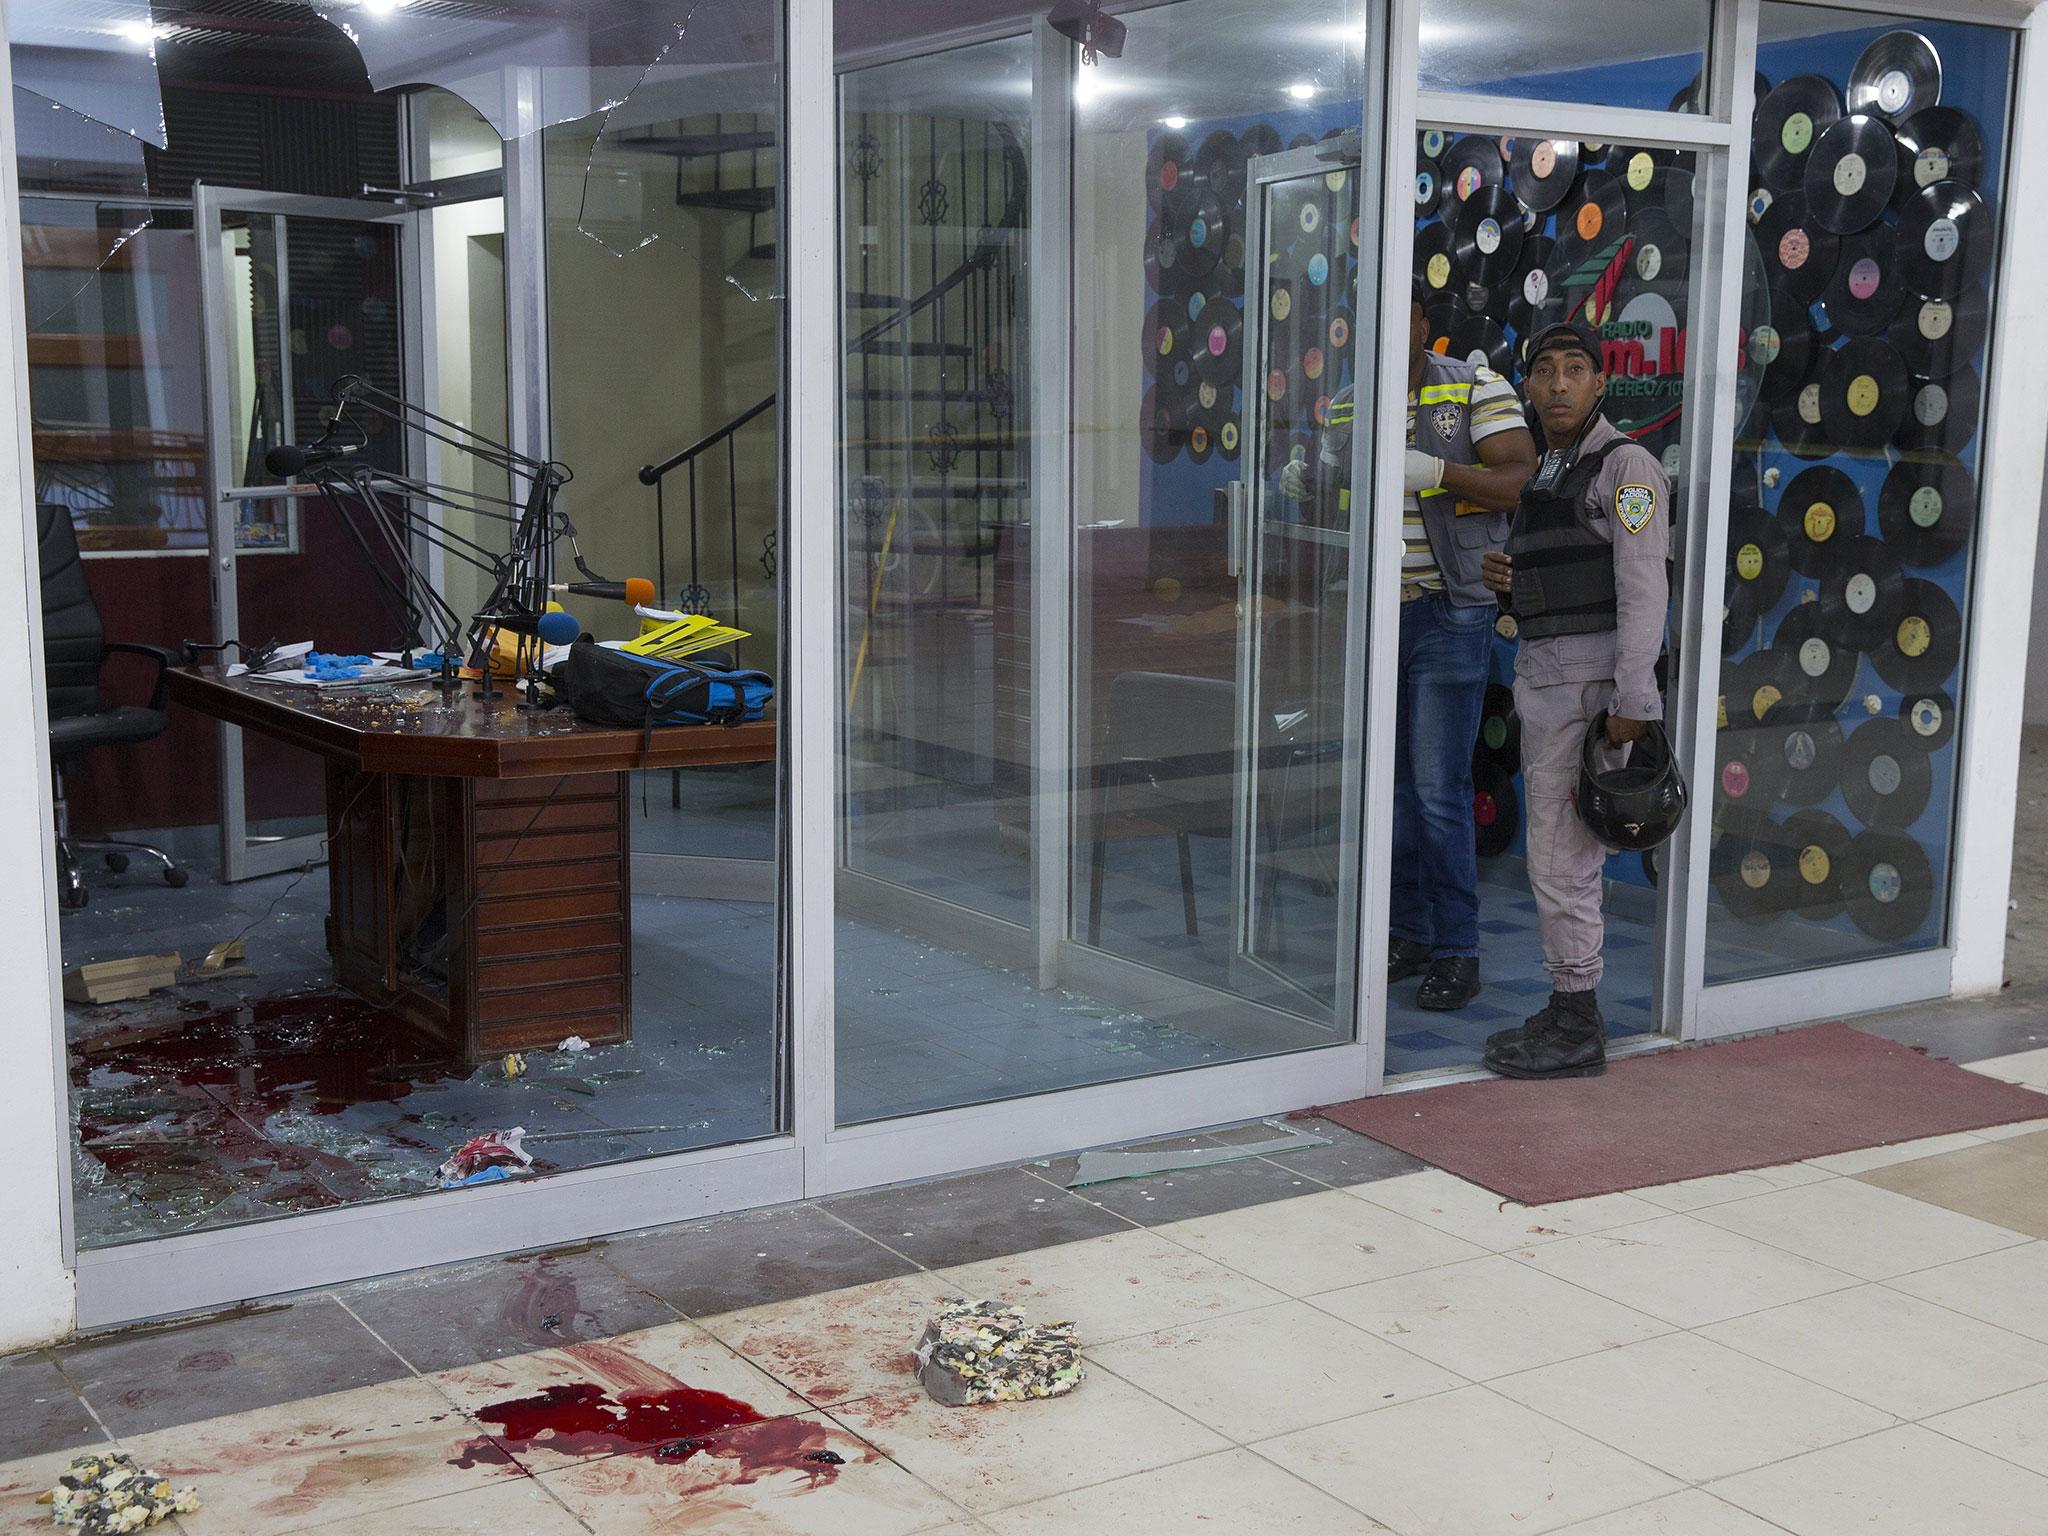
(1469, 454)
(1584, 576)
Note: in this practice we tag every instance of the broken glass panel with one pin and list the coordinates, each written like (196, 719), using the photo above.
(94, 57)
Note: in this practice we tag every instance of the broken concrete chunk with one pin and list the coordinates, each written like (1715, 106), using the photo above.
(107, 1494)
(984, 1352)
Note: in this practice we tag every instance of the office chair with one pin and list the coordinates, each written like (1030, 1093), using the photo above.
(75, 648)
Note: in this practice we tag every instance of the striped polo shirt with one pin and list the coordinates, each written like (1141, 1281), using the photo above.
(1493, 407)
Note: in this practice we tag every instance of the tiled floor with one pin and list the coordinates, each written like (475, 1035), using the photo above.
(1341, 1341)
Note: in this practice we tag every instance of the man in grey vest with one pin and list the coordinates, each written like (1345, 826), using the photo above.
(1584, 576)
(1469, 454)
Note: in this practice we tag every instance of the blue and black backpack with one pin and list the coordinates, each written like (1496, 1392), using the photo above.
(616, 688)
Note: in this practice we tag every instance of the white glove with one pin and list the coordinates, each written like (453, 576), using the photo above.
(1294, 478)
(1425, 472)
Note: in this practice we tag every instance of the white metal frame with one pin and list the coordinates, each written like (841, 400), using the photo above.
(815, 1156)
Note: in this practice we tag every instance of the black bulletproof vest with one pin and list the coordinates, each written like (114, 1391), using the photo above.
(1564, 569)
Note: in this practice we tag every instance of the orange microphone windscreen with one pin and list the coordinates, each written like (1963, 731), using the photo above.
(639, 591)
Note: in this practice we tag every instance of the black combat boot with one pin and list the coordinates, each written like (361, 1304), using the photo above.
(1568, 1038)
(1405, 958)
(1452, 982)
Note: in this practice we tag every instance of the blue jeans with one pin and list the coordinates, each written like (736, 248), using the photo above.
(1441, 694)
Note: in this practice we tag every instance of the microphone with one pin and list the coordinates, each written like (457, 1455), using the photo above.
(634, 589)
(292, 459)
(552, 628)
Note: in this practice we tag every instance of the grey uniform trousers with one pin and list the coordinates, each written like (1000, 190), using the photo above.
(1566, 861)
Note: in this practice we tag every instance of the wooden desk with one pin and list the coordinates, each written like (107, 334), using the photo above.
(478, 855)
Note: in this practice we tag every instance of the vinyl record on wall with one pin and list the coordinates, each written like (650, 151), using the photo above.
(1220, 165)
(1938, 336)
(1750, 865)
(1941, 414)
(1164, 162)
(1945, 240)
(1787, 123)
(1861, 588)
(1758, 567)
(1759, 690)
(1219, 345)
(1487, 242)
(1930, 714)
(1429, 186)
(1925, 643)
(1496, 810)
(1850, 174)
(1737, 786)
(1784, 348)
(1162, 429)
(1645, 176)
(1818, 843)
(1541, 171)
(1927, 508)
(1897, 75)
(1887, 885)
(1799, 253)
(1500, 729)
(1808, 757)
(1661, 254)
(1797, 421)
(1824, 671)
(1470, 164)
(1433, 264)
(1938, 144)
(1476, 339)
(1592, 221)
(1886, 779)
(1863, 395)
(1817, 507)
(1865, 294)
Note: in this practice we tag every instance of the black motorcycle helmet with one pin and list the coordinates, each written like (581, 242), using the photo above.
(1638, 805)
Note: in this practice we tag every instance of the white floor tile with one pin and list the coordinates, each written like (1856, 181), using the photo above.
(840, 1345)
(990, 1457)
(1866, 1158)
(2028, 1067)
(2008, 1287)
(1258, 1374)
(1685, 1270)
(1480, 1216)
(1113, 1286)
(1893, 1351)
(1907, 1481)
(1691, 1407)
(2014, 1426)
(1869, 1232)
(1223, 1495)
(520, 1507)
(1720, 1188)
(1489, 1316)
(2017, 1128)
(1691, 1513)
(1467, 1463)
(1319, 1242)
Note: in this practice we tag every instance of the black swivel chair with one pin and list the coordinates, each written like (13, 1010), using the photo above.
(75, 648)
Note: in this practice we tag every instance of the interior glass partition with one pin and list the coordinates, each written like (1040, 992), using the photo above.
(1098, 781)
(1877, 187)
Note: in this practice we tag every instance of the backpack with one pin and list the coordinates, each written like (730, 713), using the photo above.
(616, 688)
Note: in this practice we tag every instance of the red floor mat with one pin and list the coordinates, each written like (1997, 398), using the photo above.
(1683, 1114)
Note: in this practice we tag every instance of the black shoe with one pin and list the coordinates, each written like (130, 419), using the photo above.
(1405, 958)
(1568, 1038)
(1452, 982)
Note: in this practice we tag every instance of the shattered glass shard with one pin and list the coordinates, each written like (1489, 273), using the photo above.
(96, 58)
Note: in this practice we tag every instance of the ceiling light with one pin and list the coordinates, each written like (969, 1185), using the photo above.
(1301, 90)
(382, 7)
(1176, 122)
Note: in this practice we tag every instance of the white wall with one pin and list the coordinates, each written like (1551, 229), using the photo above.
(2036, 712)
(36, 1301)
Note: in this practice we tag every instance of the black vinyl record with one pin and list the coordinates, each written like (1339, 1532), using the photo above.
(1865, 294)
(1941, 414)
(1496, 811)
(1646, 176)
(1487, 242)
(1163, 429)
(1758, 568)
(1938, 336)
(1219, 345)
(1863, 394)
(1938, 144)
(1887, 885)
(1738, 785)
(1896, 76)
(1476, 339)
(1203, 230)
(1799, 253)
(1861, 588)
(1164, 258)
(1220, 166)
(1797, 421)
(1821, 670)
(1429, 186)
(1751, 865)
(1228, 277)
(1592, 221)
(1925, 643)
(1806, 759)
(1850, 174)
(1818, 844)
(1500, 729)
(1534, 297)
(1819, 506)
(1927, 508)
(1945, 240)
(1164, 162)
(1759, 691)
(1886, 778)
(1433, 259)
(1783, 348)
(1229, 439)
(1662, 253)
(1541, 171)
(1469, 165)
(1787, 123)
(1930, 714)
(1169, 337)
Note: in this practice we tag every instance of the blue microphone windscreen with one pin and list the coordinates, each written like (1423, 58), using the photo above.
(559, 628)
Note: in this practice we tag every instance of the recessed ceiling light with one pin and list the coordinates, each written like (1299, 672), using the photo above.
(1301, 90)
(1176, 122)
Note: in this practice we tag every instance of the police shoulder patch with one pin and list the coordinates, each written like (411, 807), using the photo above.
(1445, 419)
(1634, 506)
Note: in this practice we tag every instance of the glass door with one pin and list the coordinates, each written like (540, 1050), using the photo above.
(296, 295)
(1292, 527)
